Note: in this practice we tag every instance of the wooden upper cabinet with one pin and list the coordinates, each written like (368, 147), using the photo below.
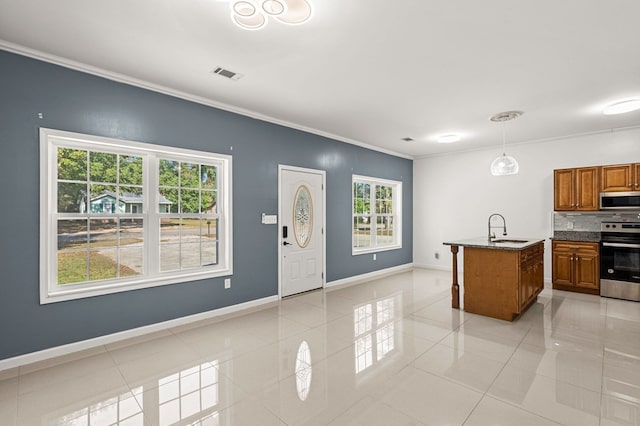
(563, 189)
(587, 190)
(576, 189)
(618, 177)
(636, 173)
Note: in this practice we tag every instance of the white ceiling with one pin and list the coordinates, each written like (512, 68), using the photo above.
(365, 71)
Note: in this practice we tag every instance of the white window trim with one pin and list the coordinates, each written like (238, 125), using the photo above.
(50, 291)
(397, 209)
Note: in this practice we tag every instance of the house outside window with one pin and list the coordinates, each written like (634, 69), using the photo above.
(119, 215)
(376, 213)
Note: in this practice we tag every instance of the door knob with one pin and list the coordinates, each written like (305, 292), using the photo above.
(284, 243)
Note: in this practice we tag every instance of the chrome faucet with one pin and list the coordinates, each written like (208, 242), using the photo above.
(490, 235)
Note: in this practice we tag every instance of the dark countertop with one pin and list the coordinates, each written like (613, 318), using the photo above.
(590, 237)
(483, 242)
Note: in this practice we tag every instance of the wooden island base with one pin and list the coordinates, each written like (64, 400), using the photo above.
(500, 281)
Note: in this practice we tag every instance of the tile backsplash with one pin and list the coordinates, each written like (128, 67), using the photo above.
(589, 221)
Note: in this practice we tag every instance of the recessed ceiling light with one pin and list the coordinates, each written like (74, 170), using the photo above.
(408, 139)
(448, 138)
(622, 107)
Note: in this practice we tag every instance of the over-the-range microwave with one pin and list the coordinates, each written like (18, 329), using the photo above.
(620, 200)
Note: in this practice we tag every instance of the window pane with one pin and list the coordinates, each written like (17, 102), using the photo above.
(72, 164)
(103, 264)
(72, 267)
(190, 231)
(209, 242)
(189, 201)
(169, 244)
(72, 197)
(72, 234)
(361, 201)
(103, 167)
(208, 202)
(104, 233)
(189, 175)
(361, 231)
(169, 257)
(130, 170)
(131, 246)
(384, 230)
(168, 202)
(168, 173)
(208, 176)
(72, 251)
(130, 199)
(103, 199)
(190, 255)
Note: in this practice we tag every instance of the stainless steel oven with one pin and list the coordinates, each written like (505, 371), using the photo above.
(620, 260)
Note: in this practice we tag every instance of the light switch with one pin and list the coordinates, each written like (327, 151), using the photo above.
(269, 219)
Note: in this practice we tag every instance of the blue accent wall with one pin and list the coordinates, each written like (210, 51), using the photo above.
(78, 102)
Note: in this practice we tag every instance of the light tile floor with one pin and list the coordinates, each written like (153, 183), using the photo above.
(386, 352)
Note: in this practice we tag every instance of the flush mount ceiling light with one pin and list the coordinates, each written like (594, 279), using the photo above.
(254, 14)
(505, 164)
(622, 107)
(450, 138)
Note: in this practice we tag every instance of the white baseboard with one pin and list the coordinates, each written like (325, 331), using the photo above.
(431, 266)
(67, 349)
(356, 279)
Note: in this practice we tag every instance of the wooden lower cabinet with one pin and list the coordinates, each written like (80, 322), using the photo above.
(576, 266)
(502, 283)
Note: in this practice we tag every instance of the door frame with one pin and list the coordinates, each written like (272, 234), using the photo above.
(323, 173)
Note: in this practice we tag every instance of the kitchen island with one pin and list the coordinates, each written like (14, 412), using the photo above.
(502, 277)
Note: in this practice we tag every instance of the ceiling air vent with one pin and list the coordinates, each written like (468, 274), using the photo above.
(226, 73)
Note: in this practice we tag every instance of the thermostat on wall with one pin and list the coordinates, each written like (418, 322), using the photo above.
(269, 219)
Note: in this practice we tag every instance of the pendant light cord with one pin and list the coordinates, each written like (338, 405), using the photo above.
(504, 140)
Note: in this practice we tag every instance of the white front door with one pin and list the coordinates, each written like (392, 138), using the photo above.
(301, 228)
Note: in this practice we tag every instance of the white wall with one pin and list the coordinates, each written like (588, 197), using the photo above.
(455, 194)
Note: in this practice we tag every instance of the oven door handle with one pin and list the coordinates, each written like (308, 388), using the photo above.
(621, 245)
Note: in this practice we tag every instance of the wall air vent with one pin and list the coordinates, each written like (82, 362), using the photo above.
(226, 73)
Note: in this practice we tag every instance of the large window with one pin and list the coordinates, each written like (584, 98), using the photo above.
(377, 217)
(119, 215)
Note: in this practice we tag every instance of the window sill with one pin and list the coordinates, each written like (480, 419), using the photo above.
(355, 252)
(122, 286)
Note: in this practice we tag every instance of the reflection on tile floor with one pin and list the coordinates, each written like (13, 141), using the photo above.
(387, 352)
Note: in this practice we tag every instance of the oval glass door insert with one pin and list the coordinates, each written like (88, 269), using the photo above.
(303, 216)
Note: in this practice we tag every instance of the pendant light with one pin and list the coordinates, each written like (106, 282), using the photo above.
(505, 164)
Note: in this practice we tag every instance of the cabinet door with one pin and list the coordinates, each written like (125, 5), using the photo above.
(636, 177)
(562, 267)
(539, 276)
(587, 270)
(587, 188)
(563, 189)
(616, 178)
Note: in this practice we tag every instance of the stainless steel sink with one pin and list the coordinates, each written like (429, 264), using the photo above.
(504, 240)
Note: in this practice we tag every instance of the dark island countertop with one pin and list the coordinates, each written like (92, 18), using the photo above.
(483, 242)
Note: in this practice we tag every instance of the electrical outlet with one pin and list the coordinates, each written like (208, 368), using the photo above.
(374, 256)
(227, 283)
(436, 255)
(569, 225)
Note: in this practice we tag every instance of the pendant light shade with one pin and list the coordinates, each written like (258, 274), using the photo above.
(505, 164)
